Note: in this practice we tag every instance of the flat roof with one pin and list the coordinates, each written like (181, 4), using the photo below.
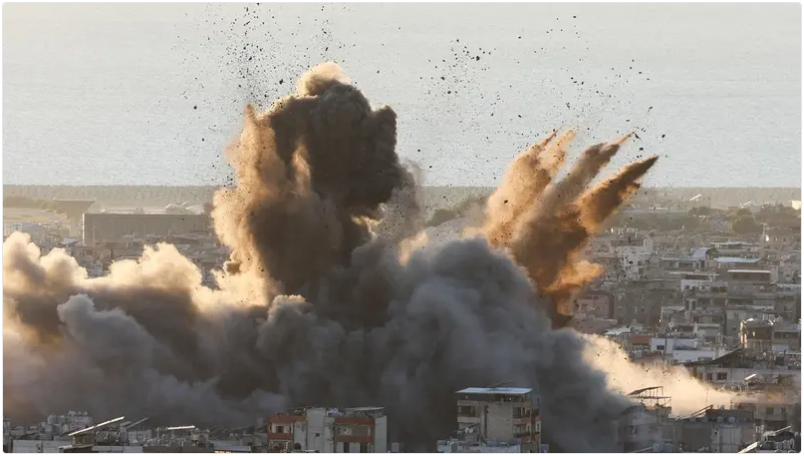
(698, 273)
(751, 271)
(97, 426)
(736, 260)
(363, 409)
(514, 391)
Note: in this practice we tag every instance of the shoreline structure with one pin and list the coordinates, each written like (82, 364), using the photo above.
(434, 196)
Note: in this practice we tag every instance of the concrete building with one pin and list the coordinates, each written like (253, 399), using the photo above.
(749, 276)
(64, 424)
(37, 446)
(685, 347)
(700, 280)
(595, 304)
(634, 253)
(74, 211)
(501, 415)
(329, 430)
(6, 434)
(744, 371)
(736, 249)
(786, 337)
(638, 429)
(736, 263)
(768, 335)
(462, 446)
(106, 227)
(39, 232)
(771, 411)
(711, 430)
(737, 314)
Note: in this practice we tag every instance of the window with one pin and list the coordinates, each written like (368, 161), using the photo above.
(721, 376)
(364, 447)
(660, 347)
(467, 410)
(709, 377)
(280, 429)
(768, 410)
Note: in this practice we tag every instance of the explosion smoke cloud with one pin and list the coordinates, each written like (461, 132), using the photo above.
(318, 304)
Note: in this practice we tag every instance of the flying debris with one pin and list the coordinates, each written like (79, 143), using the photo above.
(330, 295)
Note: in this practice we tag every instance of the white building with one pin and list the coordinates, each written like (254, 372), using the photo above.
(680, 348)
(330, 430)
(634, 255)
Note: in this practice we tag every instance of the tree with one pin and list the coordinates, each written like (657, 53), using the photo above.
(701, 210)
(746, 225)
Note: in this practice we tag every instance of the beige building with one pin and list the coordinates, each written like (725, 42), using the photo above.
(503, 415)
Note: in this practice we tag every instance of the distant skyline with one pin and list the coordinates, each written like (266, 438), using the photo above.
(150, 94)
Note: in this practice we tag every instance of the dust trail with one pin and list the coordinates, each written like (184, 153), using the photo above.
(548, 237)
(594, 207)
(601, 202)
(322, 302)
(529, 174)
(688, 393)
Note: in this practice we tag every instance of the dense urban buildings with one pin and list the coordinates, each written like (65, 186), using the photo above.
(691, 282)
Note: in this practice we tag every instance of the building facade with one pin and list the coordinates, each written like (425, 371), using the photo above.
(106, 227)
(329, 430)
(501, 415)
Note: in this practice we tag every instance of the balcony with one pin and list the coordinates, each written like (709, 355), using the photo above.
(353, 438)
(354, 420)
(280, 436)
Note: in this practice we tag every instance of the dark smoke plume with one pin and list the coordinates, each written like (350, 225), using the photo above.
(322, 302)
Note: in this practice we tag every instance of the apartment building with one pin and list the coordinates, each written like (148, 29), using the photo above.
(503, 415)
(329, 430)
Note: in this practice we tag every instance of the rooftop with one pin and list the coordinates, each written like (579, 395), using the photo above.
(513, 391)
(700, 253)
(737, 260)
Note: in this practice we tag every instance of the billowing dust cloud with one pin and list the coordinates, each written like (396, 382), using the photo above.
(324, 301)
(687, 393)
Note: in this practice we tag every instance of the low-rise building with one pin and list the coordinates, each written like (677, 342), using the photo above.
(756, 335)
(638, 429)
(711, 430)
(684, 347)
(742, 370)
(786, 337)
(500, 415)
(329, 430)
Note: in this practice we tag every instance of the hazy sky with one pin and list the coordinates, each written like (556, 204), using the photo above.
(151, 93)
